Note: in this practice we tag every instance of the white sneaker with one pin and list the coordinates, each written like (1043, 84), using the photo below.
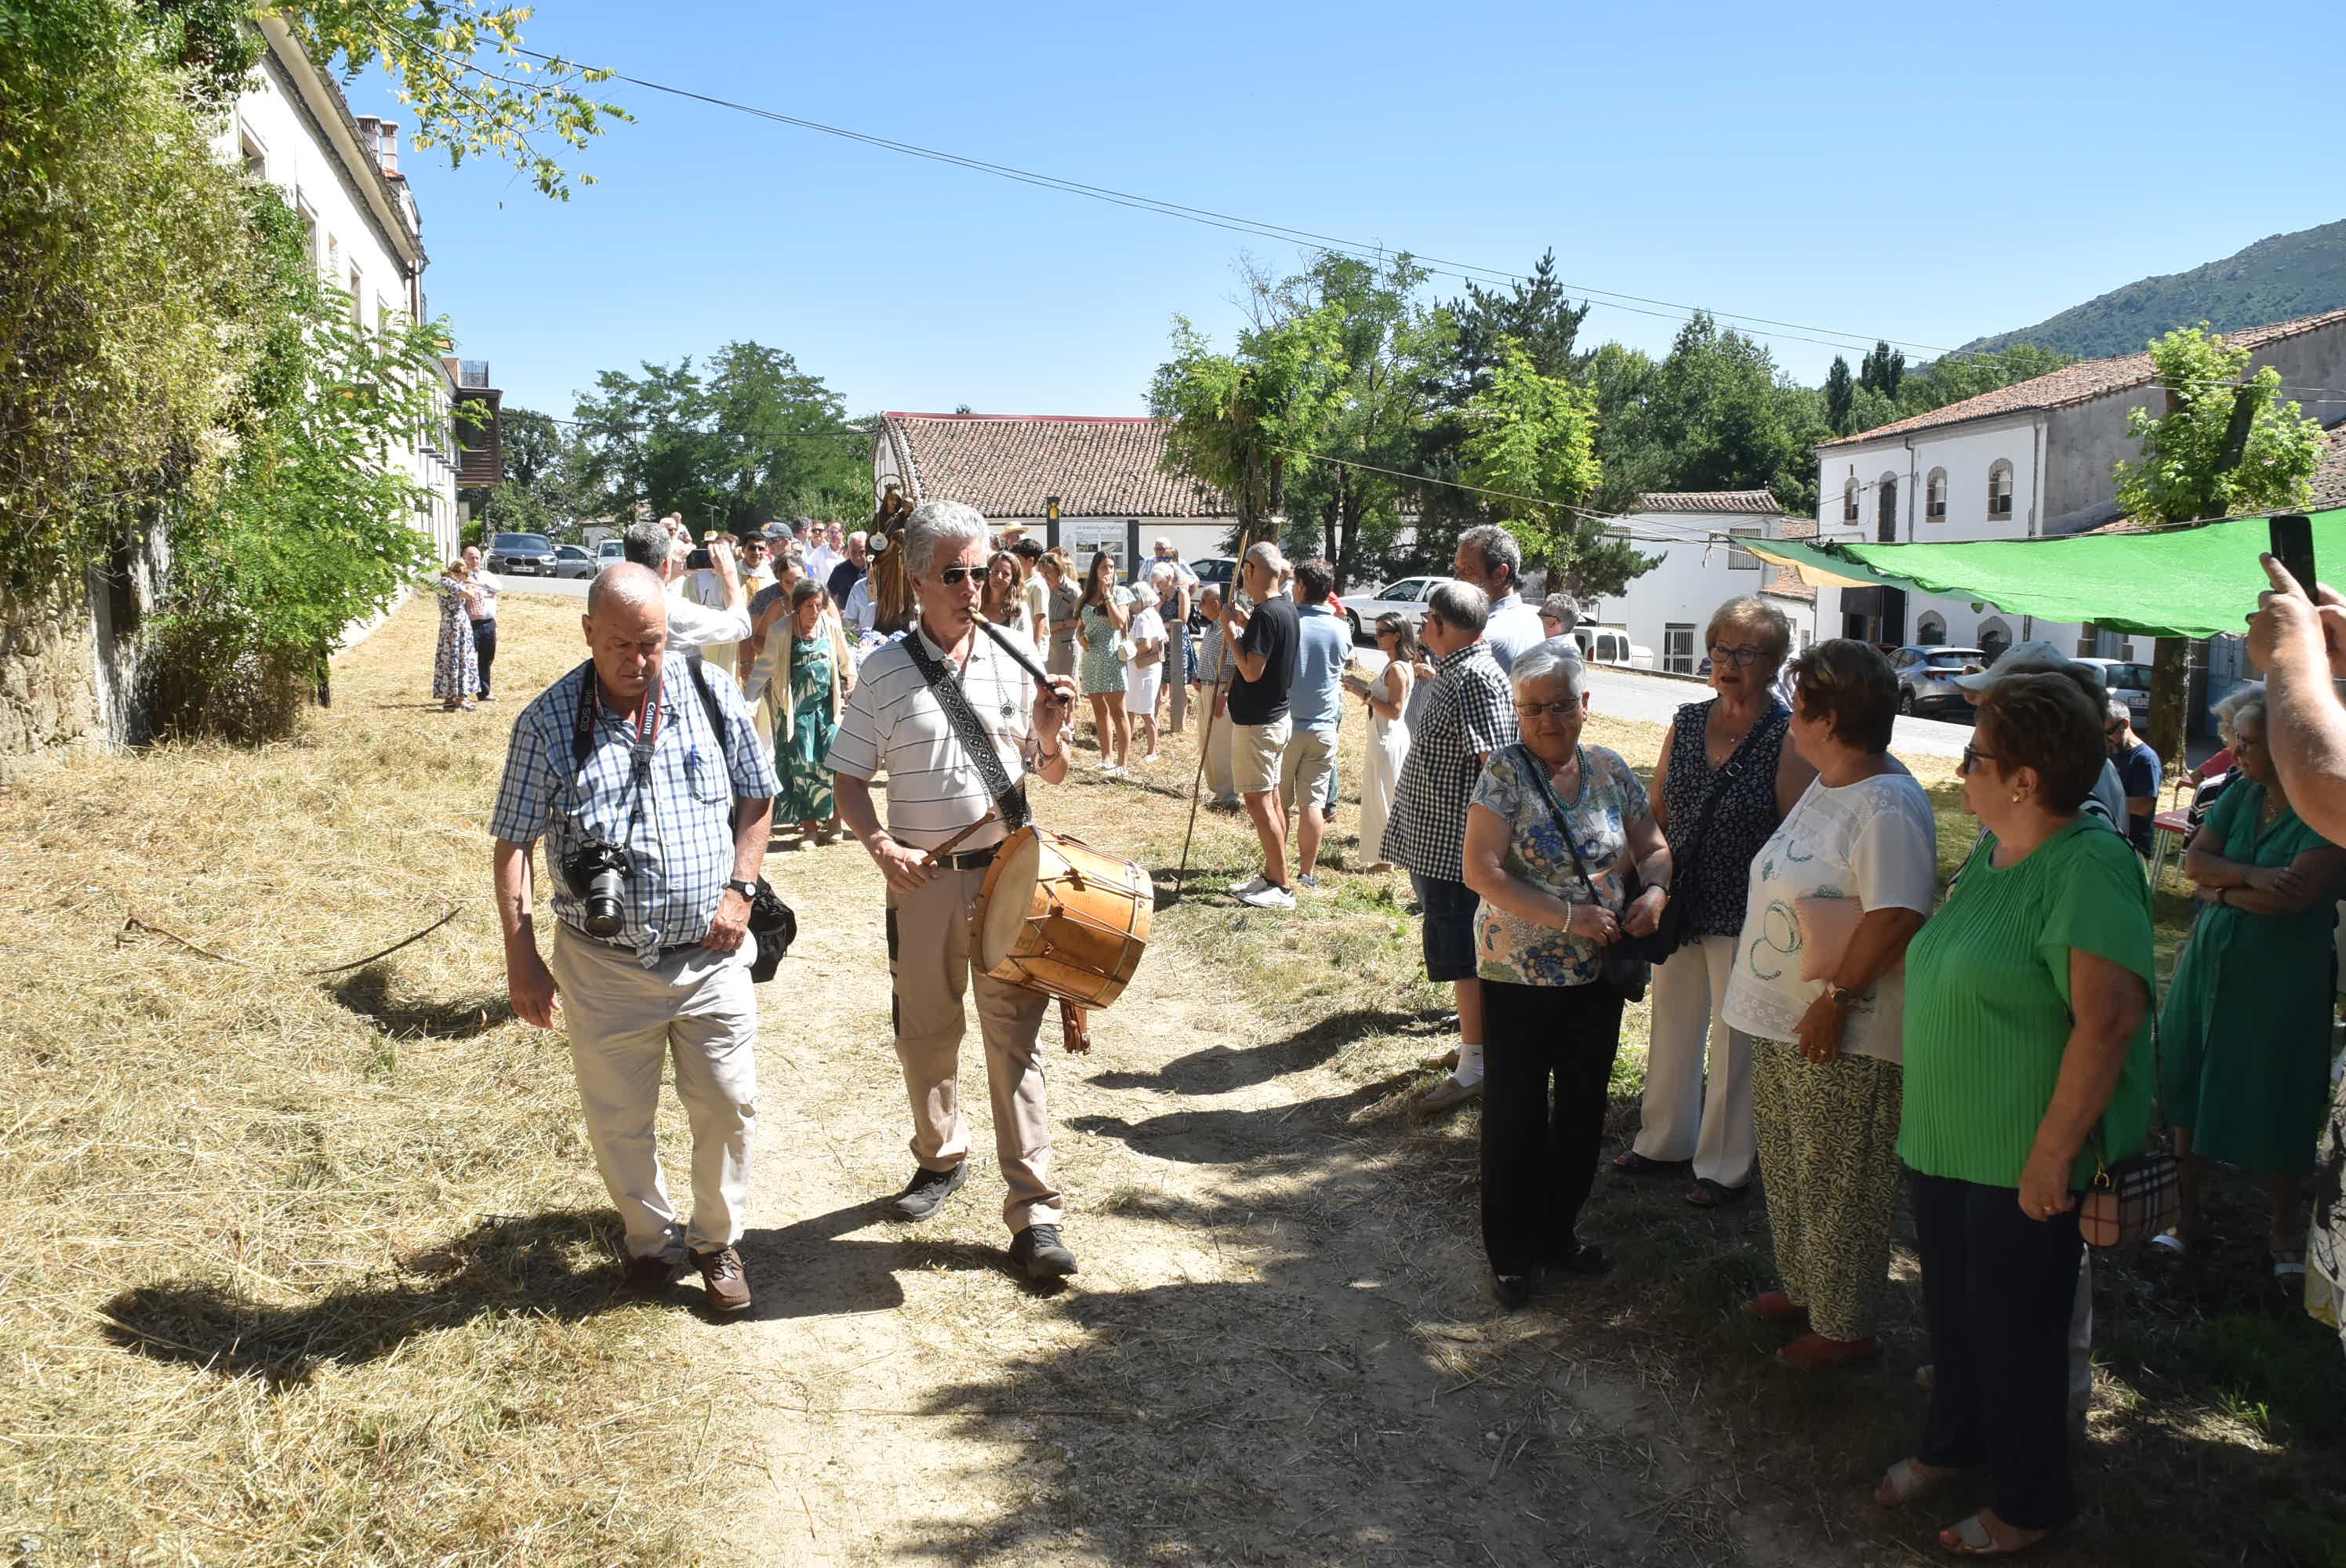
(1268, 897)
(1251, 885)
(1117, 772)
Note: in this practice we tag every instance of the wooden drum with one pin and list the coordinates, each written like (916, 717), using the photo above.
(1058, 917)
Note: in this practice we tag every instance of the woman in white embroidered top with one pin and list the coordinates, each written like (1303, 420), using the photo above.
(1818, 985)
(1551, 1019)
(1144, 670)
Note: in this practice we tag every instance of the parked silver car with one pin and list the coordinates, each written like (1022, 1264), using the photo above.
(1926, 677)
(2129, 680)
(1406, 598)
(570, 561)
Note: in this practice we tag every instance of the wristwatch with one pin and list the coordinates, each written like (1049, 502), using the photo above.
(747, 889)
(1844, 997)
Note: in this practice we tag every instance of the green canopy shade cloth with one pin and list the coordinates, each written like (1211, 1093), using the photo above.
(2199, 582)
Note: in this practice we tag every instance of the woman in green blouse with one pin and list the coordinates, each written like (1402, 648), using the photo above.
(2027, 1061)
(2247, 1022)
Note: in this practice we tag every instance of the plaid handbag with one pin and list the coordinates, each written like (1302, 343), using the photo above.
(2135, 1199)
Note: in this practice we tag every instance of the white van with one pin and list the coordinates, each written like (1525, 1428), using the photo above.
(1611, 645)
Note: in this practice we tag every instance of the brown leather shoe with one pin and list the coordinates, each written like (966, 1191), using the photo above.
(728, 1288)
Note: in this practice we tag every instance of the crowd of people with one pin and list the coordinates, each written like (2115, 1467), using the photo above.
(1829, 1024)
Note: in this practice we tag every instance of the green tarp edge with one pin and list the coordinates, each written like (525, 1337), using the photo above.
(2182, 581)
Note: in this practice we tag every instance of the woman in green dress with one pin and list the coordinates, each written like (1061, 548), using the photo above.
(814, 668)
(2246, 1028)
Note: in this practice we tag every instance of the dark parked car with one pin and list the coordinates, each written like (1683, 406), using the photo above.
(1926, 677)
(522, 555)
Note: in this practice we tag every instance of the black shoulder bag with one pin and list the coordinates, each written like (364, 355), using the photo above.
(772, 920)
(1009, 799)
(1626, 970)
(1670, 933)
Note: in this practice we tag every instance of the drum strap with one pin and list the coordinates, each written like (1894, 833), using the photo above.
(1009, 799)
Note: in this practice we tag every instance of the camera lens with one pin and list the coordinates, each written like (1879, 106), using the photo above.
(604, 917)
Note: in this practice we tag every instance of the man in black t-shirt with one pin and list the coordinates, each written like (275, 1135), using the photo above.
(1262, 646)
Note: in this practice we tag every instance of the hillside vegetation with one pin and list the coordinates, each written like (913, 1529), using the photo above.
(2275, 279)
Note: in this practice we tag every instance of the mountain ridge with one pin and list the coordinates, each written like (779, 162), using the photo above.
(2277, 279)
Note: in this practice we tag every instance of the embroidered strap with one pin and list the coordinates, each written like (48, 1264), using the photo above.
(1009, 799)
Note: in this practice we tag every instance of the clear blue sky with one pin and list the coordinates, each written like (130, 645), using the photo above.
(1926, 173)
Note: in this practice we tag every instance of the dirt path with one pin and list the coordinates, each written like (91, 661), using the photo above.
(1280, 1348)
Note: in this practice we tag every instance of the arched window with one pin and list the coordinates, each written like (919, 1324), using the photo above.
(1931, 630)
(1935, 495)
(1994, 637)
(1849, 500)
(1999, 488)
(1885, 514)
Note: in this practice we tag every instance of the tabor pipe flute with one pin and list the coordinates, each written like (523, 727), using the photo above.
(1025, 660)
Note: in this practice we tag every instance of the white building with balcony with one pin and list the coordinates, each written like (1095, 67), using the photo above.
(292, 127)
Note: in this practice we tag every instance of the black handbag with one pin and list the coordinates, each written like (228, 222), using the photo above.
(772, 920)
(1628, 973)
(1670, 933)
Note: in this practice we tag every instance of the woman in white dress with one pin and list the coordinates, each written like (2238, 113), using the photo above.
(1144, 668)
(1388, 698)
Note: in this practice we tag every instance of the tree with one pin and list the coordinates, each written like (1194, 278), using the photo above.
(1882, 370)
(1839, 393)
(757, 439)
(1710, 417)
(1534, 441)
(2191, 465)
(2224, 444)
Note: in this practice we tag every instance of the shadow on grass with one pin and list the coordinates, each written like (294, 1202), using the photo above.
(1234, 1137)
(561, 1265)
(368, 993)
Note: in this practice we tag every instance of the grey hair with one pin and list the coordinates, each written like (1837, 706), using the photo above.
(2238, 703)
(1161, 572)
(1554, 656)
(1463, 607)
(1497, 547)
(1266, 555)
(802, 590)
(935, 523)
(626, 583)
(2119, 710)
(647, 544)
(1754, 614)
(1144, 595)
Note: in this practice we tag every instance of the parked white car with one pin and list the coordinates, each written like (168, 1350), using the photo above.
(1611, 645)
(2126, 679)
(609, 551)
(1406, 598)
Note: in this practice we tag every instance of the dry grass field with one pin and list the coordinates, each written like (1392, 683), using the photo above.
(314, 1268)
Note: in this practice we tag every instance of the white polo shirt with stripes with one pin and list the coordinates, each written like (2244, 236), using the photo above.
(894, 725)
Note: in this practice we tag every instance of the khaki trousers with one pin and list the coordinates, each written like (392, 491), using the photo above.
(929, 957)
(625, 1020)
(1221, 775)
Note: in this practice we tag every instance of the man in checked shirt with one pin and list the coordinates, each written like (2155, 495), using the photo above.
(628, 750)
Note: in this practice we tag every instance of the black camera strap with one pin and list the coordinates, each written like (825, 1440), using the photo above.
(1009, 799)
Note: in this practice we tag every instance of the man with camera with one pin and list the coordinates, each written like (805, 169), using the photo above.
(655, 797)
(956, 724)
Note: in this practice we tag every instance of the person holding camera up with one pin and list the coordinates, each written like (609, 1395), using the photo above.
(656, 798)
(957, 726)
(664, 550)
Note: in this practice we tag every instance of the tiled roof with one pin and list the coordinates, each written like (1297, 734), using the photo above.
(2329, 479)
(1747, 501)
(1798, 528)
(1006, 465)
(2080, 383)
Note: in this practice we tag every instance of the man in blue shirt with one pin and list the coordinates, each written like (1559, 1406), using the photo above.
(2138, 773)
(1489, 558)
(664, 780)
(1314, 704)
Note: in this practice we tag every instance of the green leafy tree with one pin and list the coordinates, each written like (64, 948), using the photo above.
(1240, 418)
(2191, 467)
(1534, 441)
(755, 439)
(1841, 393)
(1710, 416)
(1882, 370)
(313, 528)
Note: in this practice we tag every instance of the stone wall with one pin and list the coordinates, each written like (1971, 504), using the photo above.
(49, 682)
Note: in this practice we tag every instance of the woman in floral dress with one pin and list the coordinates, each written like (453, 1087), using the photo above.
(455, 662)
(813, 667)
(1105, 611)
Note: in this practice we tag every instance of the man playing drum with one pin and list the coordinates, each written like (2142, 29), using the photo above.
(902, 720)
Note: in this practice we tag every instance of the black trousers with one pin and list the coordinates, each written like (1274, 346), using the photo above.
(485, 644)
(1548, 1059)
(1998, 1288)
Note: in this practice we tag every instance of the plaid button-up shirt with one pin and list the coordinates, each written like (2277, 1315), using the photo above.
(1470, 712)
(675, 818)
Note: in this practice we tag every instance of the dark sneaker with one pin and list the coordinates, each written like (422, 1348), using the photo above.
(927, 1191)
(720, 1276)
(653, 1271)
(1039, 1251)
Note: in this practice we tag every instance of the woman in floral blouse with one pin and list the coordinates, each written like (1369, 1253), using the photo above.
(1552, 1022)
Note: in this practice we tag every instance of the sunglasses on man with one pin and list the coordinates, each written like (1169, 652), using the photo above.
(954, 576)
